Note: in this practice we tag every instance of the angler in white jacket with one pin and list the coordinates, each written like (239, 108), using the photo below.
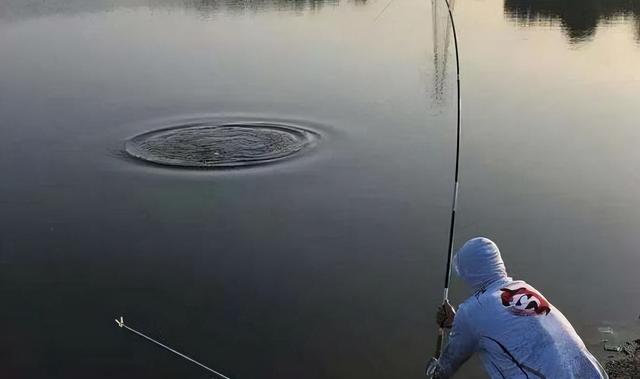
(516, 331)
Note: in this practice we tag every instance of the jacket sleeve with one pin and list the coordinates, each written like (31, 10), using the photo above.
(461, 345)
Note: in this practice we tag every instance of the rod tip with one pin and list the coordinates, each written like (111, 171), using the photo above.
(120, 322)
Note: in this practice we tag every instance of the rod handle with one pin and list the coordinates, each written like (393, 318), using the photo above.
(439, 341)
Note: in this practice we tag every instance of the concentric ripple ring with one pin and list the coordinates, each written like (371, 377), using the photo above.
(206, 145)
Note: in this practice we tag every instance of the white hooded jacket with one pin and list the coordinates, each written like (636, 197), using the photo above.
(516, 331)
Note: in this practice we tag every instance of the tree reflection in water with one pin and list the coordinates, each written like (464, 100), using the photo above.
(578, 18)
(11, 10)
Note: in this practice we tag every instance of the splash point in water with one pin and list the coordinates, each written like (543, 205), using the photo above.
(206, 145)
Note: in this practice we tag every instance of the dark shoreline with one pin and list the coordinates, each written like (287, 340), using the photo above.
(625, 364)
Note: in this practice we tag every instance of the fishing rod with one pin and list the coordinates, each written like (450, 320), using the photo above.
(447, 278)
(121, 324)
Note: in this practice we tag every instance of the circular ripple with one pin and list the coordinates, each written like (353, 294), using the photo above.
(220, 146)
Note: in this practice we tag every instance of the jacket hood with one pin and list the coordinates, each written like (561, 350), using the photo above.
(479, 263)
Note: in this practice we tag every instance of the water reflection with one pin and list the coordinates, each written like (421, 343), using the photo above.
(24, 9)
(441, 40)
(578, 18)
(258, 5)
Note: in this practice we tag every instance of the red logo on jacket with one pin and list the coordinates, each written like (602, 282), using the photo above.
(524, 301)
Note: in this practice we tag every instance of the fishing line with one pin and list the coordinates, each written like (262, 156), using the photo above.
(447, 278)
(121, 324)
(383, 10)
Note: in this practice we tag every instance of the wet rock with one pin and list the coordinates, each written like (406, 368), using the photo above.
(626, 365)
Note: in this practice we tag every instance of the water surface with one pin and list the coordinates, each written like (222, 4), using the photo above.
(323, 266)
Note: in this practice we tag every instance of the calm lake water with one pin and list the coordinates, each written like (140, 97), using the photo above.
(328, 265)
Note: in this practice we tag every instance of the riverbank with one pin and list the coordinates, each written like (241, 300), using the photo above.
(625, 363)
